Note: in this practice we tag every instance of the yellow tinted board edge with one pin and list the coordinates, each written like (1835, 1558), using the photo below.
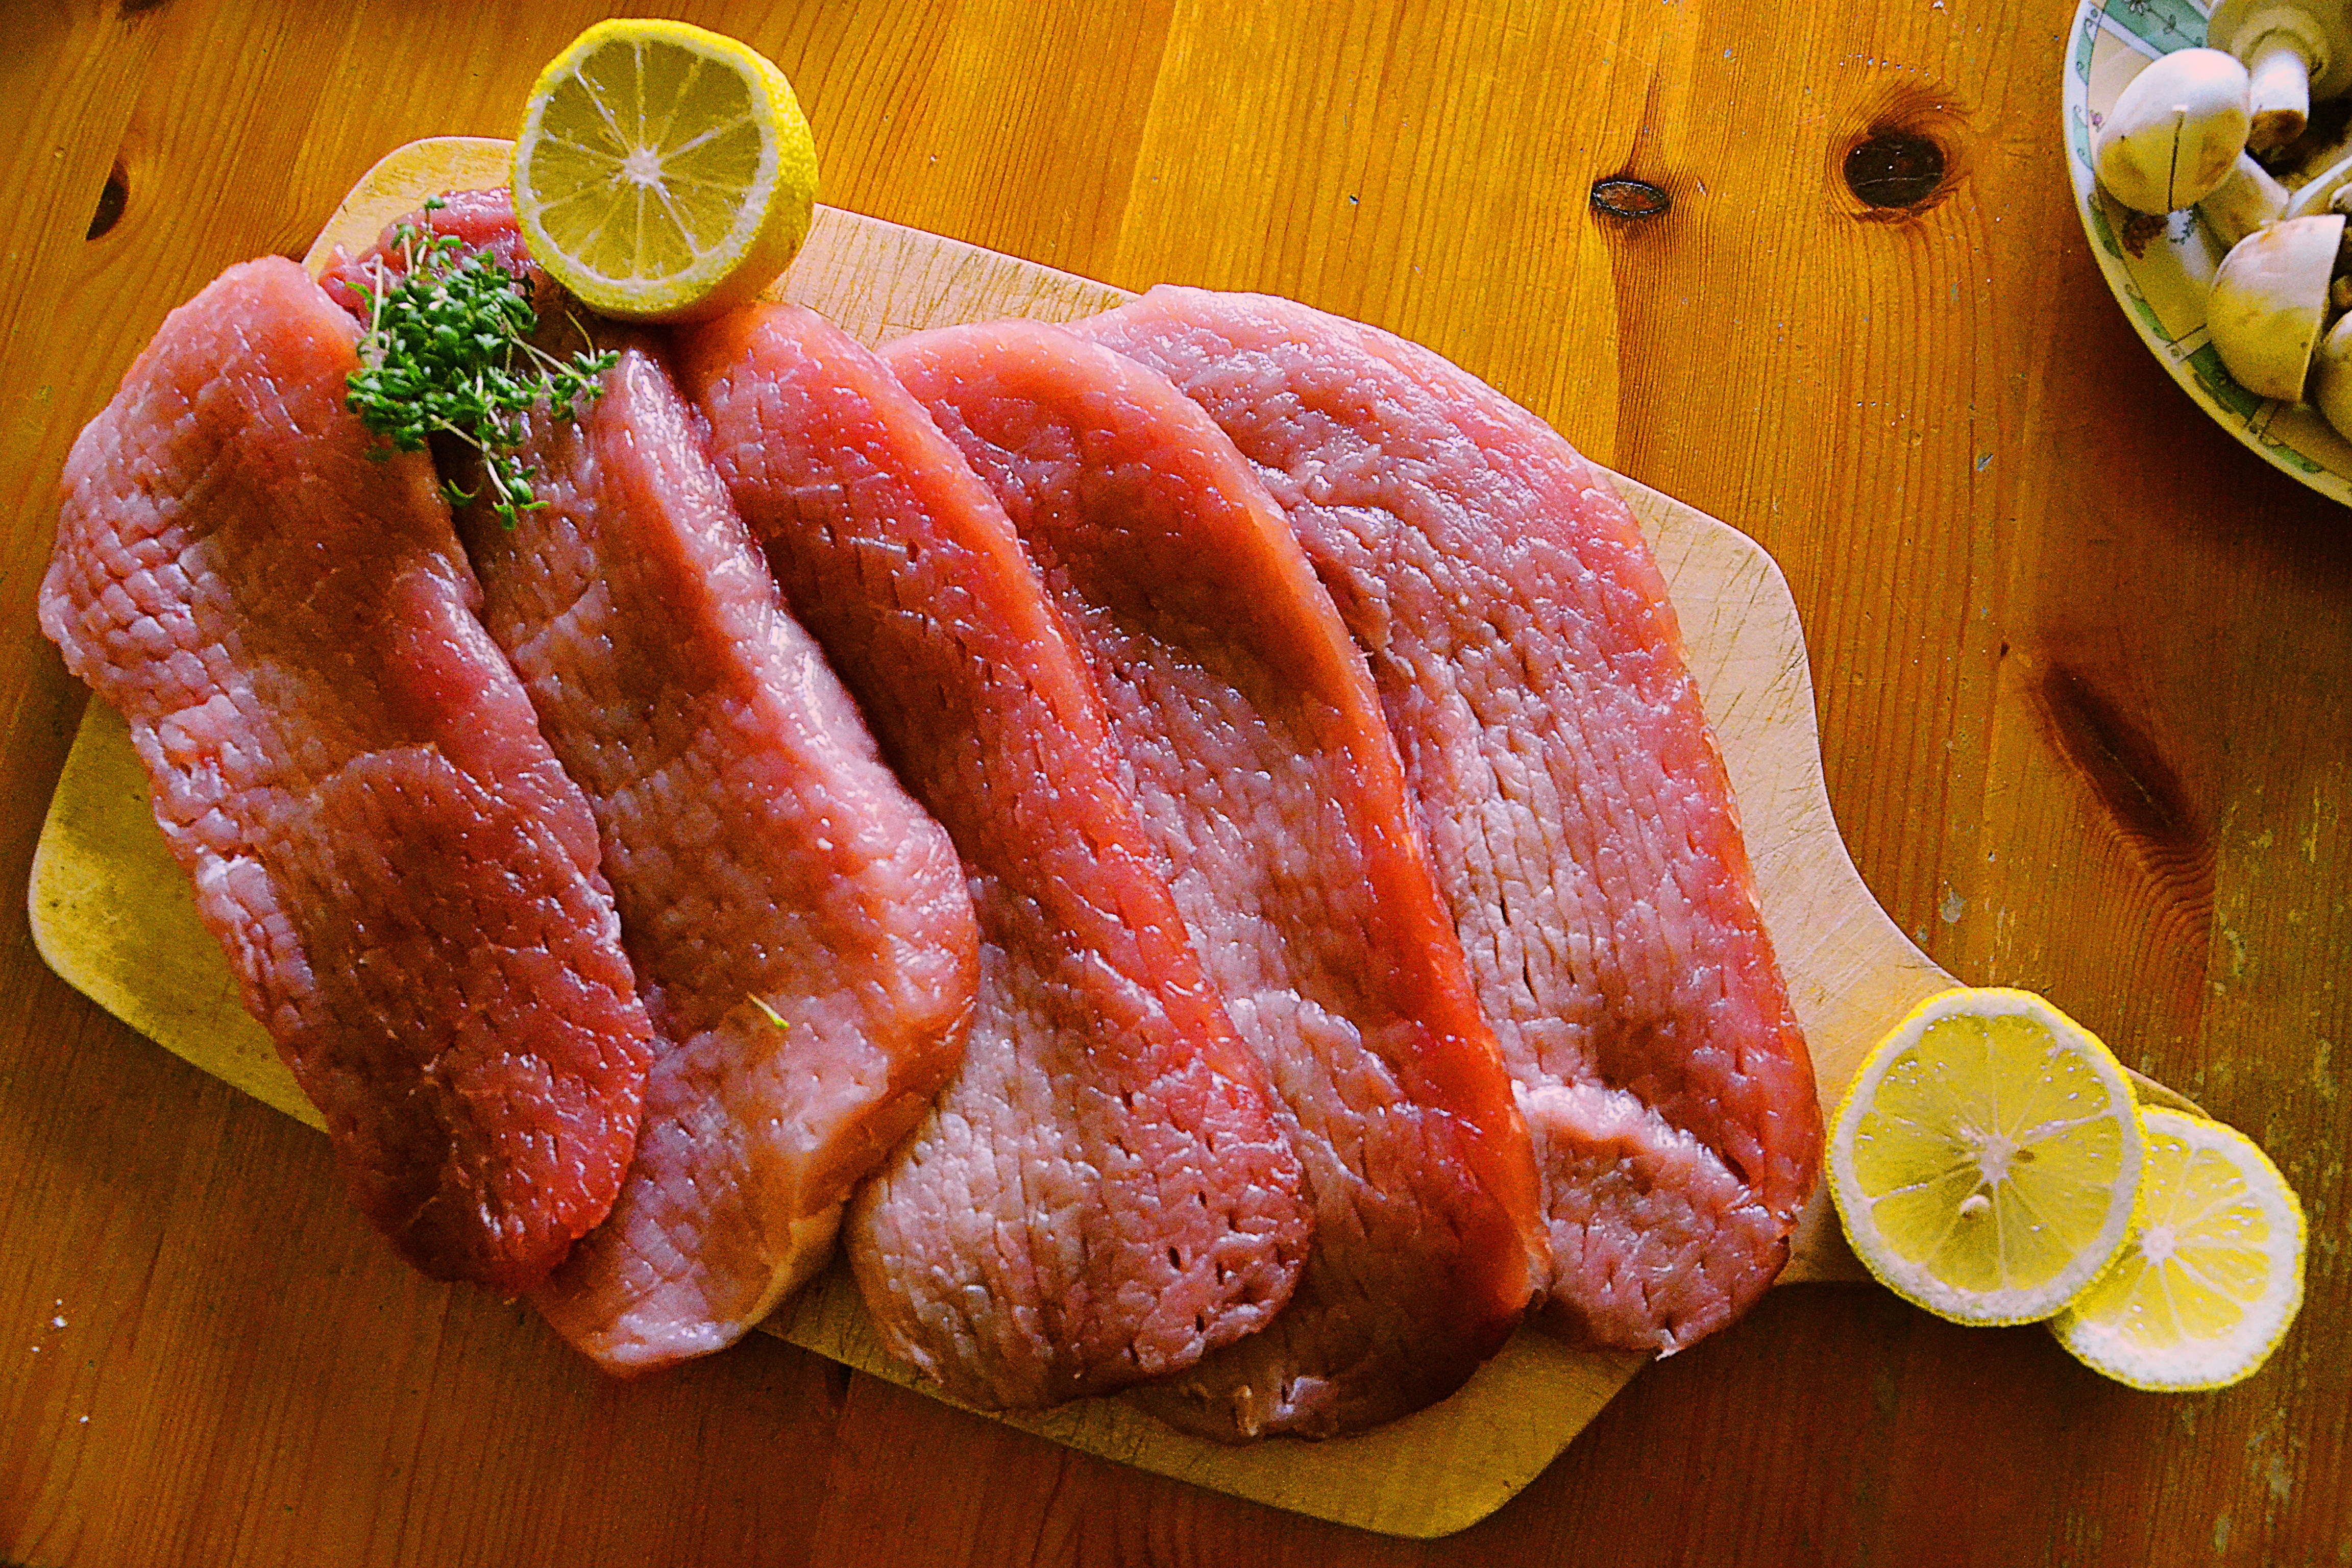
(108, 901)
(113, 914)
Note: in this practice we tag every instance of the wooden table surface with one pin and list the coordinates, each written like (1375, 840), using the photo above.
(2083, 666)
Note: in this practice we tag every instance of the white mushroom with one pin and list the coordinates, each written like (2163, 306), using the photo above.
(2270, 300)
(2246, 199)
(2317, 193)
(2331, 377)
(2298, 50)
(2175, 130)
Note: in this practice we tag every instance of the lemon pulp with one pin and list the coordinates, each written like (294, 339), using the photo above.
(2207, 1284)
(663, 172)
(1986, 1161)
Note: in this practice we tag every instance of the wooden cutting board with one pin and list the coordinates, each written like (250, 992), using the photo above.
(113, 914)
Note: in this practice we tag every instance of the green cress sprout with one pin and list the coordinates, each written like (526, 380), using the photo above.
(448, 349)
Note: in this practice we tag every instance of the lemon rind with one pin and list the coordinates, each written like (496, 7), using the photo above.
(760, 242)
(2078, 1334)
(1999, 1309)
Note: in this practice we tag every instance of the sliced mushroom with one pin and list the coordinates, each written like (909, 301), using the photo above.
(2269, 301)
(2331, 377)
(2246, 200)
(2296, 50)
(2318, 193)
(2175, 130)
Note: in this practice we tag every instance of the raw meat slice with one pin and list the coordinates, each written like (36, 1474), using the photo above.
(404, 880)
(800, 928)
(481, 220)
(1250, 735)
(1577, 809)
(1103, 1193)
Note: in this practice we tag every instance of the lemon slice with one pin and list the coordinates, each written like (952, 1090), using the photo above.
(2206, 1286)
(663, 173)
(1985, 1160)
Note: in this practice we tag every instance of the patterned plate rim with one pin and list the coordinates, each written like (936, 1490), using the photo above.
(2187, 359)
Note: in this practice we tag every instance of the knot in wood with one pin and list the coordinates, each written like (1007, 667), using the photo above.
(1895, 168)
(1621, 196)
(113, 198)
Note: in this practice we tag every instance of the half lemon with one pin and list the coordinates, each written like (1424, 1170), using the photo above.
(1985, 1160)
(2205, 1288)
(662, 172)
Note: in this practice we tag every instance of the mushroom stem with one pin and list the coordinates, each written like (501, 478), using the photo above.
(2315, 194)
(2247, 199)
(2281, 94)
(2299, 51)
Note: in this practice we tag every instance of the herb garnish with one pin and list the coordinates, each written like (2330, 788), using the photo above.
(447, 348)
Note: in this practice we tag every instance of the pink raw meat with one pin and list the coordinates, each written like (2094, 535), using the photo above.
(1251, 737)
(404, 880)
(1103, 1193)
(1577, 809)
(800, 928)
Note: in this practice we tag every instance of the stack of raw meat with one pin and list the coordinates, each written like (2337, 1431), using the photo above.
(1187, 839)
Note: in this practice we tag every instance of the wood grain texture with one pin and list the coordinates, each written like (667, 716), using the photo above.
(111, 912)
(2040, 593)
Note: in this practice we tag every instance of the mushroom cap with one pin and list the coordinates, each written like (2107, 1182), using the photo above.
(2326, 27)
(2269, 301)
(2331, 377)
(2174, 131)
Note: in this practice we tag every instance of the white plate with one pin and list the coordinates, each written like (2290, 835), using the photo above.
(2163, 288)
